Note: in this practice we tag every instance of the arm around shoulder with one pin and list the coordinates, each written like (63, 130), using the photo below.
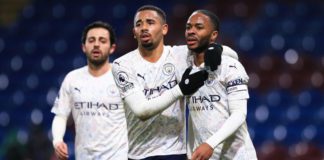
(145, 109)
(132, 93)
(227, 51)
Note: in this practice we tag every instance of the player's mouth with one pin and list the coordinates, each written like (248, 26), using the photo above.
(145, 37)
(96, 52)
(191, 40)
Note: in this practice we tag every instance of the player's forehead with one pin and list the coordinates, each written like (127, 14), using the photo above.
(198, 18)
(98, 32)
(147, 14)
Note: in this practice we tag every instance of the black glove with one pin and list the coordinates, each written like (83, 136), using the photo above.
(190, 83)
(213, 56)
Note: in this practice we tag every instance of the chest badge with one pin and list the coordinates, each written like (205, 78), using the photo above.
(168, 69)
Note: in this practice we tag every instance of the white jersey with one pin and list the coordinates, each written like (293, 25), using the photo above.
(162, 134)
(98, 113)
(209, 110)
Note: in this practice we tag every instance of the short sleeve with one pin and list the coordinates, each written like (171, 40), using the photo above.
(62, 104)
(235, 79)
(124, 77)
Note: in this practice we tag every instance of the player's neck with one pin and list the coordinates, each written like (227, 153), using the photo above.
(152, 55)
(97, 71)
(199, 59)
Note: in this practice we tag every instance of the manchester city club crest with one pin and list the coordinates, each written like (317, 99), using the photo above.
(211, 80)
(168, 69)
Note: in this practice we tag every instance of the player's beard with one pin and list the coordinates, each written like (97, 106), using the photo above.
(201, 47)
(97, 61)
(203, 43)
(152, 44)
(148, 46)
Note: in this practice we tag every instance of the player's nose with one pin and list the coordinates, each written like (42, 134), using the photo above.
(190, 31)
(144, 27)
(97, 43)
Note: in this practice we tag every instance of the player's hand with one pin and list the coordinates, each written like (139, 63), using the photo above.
(190, 83)
(203, 152)
(213, 56)
(61, 151)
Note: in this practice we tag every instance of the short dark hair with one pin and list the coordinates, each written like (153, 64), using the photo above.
(160, 12)
(212, 16)
(99, 24)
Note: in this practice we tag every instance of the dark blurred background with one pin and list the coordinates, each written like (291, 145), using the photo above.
(280, 43)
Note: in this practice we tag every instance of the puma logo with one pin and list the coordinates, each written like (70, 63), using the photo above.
(117, 63)
(77, 89)
(233, 66)
(140, 76)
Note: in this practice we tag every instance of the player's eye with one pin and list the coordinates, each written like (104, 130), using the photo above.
(188, 27)
(199, 27)
(91, 40)
(150, 21)
(138, 23)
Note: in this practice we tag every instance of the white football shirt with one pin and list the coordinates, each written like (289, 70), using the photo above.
(162, 134)
(98, 114)
(209, 110)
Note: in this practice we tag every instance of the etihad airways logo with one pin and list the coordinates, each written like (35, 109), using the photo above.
(203, 103)
(96, 105)
(160, 88)
(202, 108)
(202, 99)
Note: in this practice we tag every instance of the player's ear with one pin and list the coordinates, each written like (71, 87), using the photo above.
(83, 48)
(213, 36)
(112, 48)
(134, 33)
(165, 29)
